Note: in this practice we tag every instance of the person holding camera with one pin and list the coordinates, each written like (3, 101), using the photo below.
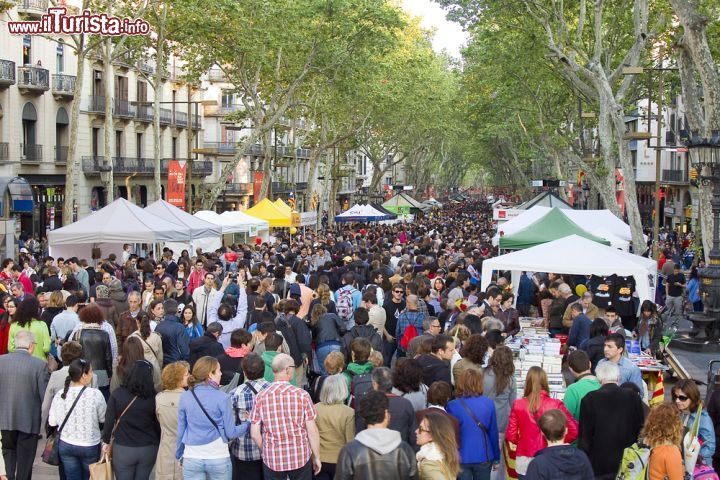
(221, 312)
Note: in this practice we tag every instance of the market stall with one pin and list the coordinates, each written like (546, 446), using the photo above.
(203, 233)
(589, 220)
(575, 255)
(268, 211)
(553, 226)
(362, 213)
(253, 227)
(107, 230)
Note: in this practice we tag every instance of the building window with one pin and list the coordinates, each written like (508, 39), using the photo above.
(59, 58)
(27, 50)
(118, 143)
(228, 98)
(174, 148)
(96, 142)
(139, 145)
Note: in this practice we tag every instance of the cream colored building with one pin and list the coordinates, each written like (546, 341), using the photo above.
(37, 80)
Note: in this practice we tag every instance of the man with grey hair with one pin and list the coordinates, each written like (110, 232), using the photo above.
(588, 309)
(18, 291)
(610, 421)
(402, 413)
(283, 426)
(23, 379)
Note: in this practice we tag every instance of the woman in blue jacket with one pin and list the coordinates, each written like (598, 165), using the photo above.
(686, 396)
(479, 447)
(206, 423)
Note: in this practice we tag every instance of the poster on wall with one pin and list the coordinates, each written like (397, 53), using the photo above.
(176, 183)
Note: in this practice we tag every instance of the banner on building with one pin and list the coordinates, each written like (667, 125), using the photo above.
(176, 183)
(257, 185)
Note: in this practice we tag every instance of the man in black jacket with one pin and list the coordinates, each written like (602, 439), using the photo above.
(377, 453)
(361, 329)
(175, 341)
(207, 345)
(610, 421)
(436, 365)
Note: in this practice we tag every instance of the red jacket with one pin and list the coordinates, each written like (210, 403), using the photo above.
(195, 279)
(524, 431)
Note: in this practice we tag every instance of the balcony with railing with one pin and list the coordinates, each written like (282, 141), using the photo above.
(4, 151)
(239, 189)
(216, 75)
(147, 67)
(165, 116)
(145, 167)
(220, 148)
(33, 79)
(61, 154)
(97, 104)
(32, 8)
(31, 153)
(675, 176)
(7, 73)
(180, 119)
(123, 109)
(145, 113)
(63, 86)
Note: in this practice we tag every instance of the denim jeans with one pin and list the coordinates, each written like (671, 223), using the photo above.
(76, 460)
(323, 351)
(389, 349)
(200, 469)
(475, 471)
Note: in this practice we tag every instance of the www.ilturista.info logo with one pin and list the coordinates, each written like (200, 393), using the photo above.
(56, 20)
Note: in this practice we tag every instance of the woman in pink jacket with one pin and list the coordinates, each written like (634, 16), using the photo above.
(523, 429)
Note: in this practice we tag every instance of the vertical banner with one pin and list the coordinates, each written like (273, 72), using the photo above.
(291, 200)
(257, 185)
(176, 183)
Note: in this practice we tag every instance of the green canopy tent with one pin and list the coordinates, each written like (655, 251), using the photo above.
(403, 204)
(553, 226)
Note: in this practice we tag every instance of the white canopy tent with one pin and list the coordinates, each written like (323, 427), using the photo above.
(575, 255)
(254, 227)
(590, 220)
(204, 233)
(615, 241)
(109, 228)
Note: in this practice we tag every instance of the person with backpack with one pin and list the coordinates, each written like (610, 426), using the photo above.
(361, 330)
(347, 299)
(558, 459)
(358, 370)
(409, 325)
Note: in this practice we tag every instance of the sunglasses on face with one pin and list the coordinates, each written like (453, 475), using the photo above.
(682, 398)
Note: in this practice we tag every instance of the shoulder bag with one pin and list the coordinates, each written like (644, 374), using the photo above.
(480, 426)
(117, 424)
(51, 453)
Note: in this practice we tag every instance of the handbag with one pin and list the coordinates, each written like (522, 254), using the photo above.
(115, 427)
(51, 453)
(101, 470)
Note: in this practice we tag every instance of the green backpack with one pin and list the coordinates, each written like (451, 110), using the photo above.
(634, 464)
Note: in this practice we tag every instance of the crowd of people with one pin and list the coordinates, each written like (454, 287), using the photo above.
(365, 352)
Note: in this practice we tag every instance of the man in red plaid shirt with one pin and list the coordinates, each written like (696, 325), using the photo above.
(289, 436)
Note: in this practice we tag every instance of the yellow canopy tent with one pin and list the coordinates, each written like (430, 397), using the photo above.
(268, 211)
(282, 206)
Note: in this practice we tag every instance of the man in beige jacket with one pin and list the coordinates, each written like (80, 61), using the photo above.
(589, 309)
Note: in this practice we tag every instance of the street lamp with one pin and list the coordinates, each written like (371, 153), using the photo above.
(705, 152)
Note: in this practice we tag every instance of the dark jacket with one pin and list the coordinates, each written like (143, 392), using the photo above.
(434, 369)
(377, 454)
(510, 320)
(176, 344)
(110, 313)
(229, 367)
(402, 419)
(207, 345)
(557, 309)
(297, 335)
(580, 330)
(357, 331)
(96, 348)
(610, 421)
(139, 426)
(594, 347)
(52, 284)
(50, 313)
(328, 328)
(561, 461)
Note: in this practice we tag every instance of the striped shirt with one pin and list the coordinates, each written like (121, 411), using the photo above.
(284, 411)
(243, 400)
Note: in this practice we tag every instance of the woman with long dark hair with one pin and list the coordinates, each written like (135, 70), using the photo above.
(131, 425)
(649, 328)
(438, 458)
(26, 319)
(132, 352)
(190, 320)
(80, 436)
(151, 342)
